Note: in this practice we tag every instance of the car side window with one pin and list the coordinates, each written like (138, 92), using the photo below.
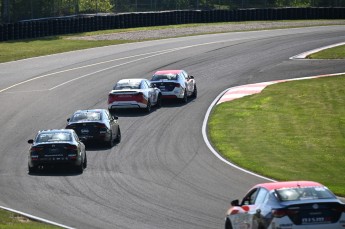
(149, 85)
(107, 115)
(249, 199)
(76, 137)
(144, 85)
(261, 196)
(184, 75)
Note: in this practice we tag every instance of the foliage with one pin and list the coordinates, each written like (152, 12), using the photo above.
(15, 10)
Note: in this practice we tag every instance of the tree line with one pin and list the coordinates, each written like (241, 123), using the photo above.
(17, 10)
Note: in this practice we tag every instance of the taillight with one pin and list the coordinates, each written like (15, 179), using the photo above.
(340, 209)
(177, 85)
(36, 149)
(279, 213)
(71, 147)
(111, 98)
(102, 128)
(100, 125)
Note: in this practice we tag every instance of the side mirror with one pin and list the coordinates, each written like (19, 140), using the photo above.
(191, 77)
(30, 141)
(153, 85)
(68, 119)
(115, 117)
(235, 203)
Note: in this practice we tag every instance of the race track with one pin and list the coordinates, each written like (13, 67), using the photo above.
(162, 175)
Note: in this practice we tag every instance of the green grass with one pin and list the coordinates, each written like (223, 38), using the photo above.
(332, 53)
(16, 50)
(10, 220)
(290, 131)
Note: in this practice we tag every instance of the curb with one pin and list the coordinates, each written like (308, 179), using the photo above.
(250, 89)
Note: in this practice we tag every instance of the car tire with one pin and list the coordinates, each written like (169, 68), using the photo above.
(32, 169)
(110, 143)
(195, 92)
(228, 224)
(148, 107)
(80, 168)
(159, 101)
(85, 162)
(118, 137)
(185, 97)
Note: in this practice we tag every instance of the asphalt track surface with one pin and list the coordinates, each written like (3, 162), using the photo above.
(162, 174)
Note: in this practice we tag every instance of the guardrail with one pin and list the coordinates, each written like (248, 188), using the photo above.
(85, 23)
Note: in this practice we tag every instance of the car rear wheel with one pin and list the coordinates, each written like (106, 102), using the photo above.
(85, 162)
(118, 137)
(195, 92)
(159, 101)
(228, 224)
(32, 169)
(80, 168)
(110, 143)
(148, 107)
(185, 98)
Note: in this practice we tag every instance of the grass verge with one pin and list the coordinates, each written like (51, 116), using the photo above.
(332, 53)
(10, 220)
(290, 131)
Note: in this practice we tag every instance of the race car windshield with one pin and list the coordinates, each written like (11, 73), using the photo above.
(303, 193)
(164, 77)
(86, 116)
(127, 85)
(54, 137)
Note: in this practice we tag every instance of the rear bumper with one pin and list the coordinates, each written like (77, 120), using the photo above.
(176, 94)
(126, 105)
(55, 161)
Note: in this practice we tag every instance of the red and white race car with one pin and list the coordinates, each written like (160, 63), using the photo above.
(175, 84)
(287, 205)
(134, 93)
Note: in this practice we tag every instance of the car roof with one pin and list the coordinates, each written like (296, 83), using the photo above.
(163, 72)
(131, 80)
(288, 184)
(56, 131)
(92, 110)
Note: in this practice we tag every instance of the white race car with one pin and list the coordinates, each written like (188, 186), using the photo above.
(134, 93)
(175, 84)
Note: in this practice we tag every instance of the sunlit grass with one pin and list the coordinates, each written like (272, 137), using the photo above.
(290, 131)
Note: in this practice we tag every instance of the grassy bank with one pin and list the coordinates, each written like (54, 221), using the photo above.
(10, 220)
(290, 131)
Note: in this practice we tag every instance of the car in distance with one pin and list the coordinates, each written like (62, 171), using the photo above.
(287, 205)
(56, 147)
(134, 93)
(96, 125)
(175, 84)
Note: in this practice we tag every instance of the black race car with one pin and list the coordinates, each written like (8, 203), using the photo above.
(56, 147)
(96, 125)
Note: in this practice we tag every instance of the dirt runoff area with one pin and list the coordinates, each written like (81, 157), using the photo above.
(195, 29)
